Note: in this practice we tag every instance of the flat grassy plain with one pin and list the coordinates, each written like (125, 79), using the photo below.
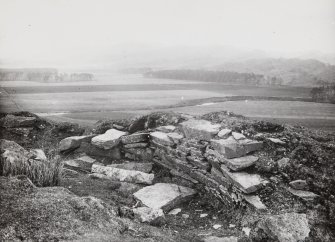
(126, 96)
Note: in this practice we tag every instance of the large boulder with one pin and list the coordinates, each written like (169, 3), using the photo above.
(163, 195)
(288, 227)
(123, 175)
(109, 139)
(73, 142)
(200, 129)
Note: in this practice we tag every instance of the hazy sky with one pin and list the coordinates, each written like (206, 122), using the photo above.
(64, 29)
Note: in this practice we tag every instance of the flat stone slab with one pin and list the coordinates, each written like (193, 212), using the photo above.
(166, 129)
(277, 141)
(306, 195)
(255, 202)
(38, 154)
(299, 184)
(248, 183)
(237, 164)
(224, 133)
(175, 137)
(136, 145)
(288, 227)
(136, 166)
(229, 147)
(164, 195)
(148, 215)
(238, 136)
(161, 138)
(200, 129)
(73, 142)
(109, 139)
(123, 175)
(220, 239)
(135, 138)
(251, 145)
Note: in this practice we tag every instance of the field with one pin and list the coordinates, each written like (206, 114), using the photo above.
(125, 96)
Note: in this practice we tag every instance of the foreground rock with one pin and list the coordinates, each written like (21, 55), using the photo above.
(117, 174)
(71, 143)
(288, 227)
(136, 166)
(109, 139)
(240, 163)
(81, 163)
(149, 215)
(12, 121)
(163, 195)
(200, 129)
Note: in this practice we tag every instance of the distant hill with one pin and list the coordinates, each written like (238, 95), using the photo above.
(296, 72)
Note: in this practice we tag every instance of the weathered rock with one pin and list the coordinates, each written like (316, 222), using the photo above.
(299, 184)
(220, 239)
(135, 145)
(127, 189)
(183, 176)
(200, 129)
(117, 174)
(166, 129)
(135, 138)
(229, 147)
(69, 173)
(12, 121)
(248, 183)
(38, 154)
(255, 202)
(136, 166)
(176, 138)
(238, 136)
(276, 141)
(163, 195)
(148, 215)
(73, 142)
(175, 211)
(288, 227)
(240, 163)
(140, 154)
(92, 150)
(161, 138)
(109, 139)
(282, 163)
(250, 145)
(306, 195)
(224, 133)
(199, 163)
(81, 163)
(219, 177)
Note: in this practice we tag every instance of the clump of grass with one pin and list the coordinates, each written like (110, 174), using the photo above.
(41, 173)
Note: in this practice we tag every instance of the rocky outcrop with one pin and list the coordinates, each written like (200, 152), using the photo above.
(109, 139)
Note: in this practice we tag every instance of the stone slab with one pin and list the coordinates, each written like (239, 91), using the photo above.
(240, 163)
(135, 138)
(109, 139)
(161, 138)
(136, 166)
(73, 142)
(200, 129)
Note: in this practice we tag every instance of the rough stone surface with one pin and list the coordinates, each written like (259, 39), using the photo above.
(136, 166)
(135, 138)
(276, 141)
(288, 227)
(135, 145)
(220, 239)
(248, 183)
(224, 133)
(255, 202)
(148, 215)
(161, 138)
(299, 184)
(109, 139)
(92, 150)
(250, 145)
(163, 195)
(166, 129)
(229, 147)
(38, 154)
(72, 142)
(176, 138)
(283, 162)
(240, 163)
(306, 195)
(117, 174)
(199, 129)
(238, 136)
(12, 121)
(81, 163)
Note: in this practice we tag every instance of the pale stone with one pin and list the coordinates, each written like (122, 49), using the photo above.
(238, 136)
(148, 215)
(224, 133)
(248, 183)
(136, 145)
(117, 174)
(277, 141)
(136, 166)
(240, 163)
(200, 129)
(175, 211)
(166, 129)
(175, 137)
(250, 145)
(282, 163)
(220, 239)
(163, 195)
(161, 138)
(185, 215)
(72, 142)
(246, 230)
(299, 184)
(203, 215)
(255, 202)
(288, 227)
(306, 195)
(229, 147)
(109, 139)
(217, 226)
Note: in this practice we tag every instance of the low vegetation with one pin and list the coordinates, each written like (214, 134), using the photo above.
(324, 94)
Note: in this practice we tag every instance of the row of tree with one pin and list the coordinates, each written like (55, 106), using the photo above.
(228, 77)
(324, 93)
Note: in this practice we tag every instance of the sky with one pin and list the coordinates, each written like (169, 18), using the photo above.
(59, 30)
